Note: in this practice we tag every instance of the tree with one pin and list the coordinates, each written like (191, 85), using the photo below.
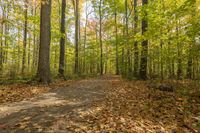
(45, 40)
(1, 33)
(25, 36)
(85, 35)
(76, 66)
(100, 37)
(136, 52)
(110, 32)
(116, 40)
(62, 40)
(128, 63)
(192, 34)
(144, 53)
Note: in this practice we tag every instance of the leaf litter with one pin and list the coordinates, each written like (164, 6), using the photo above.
(130, 107)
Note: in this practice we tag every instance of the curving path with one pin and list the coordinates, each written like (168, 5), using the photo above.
(40, 113)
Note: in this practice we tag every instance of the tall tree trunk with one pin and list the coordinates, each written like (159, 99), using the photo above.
(179, 70)
(84, 46)
(6, 33)
(35, 44)
(127, 41)
(161, 59)
(25, 37)
(136, 50)
(1, 46)
(80, 45)
(144, 53)
(76, 67)
(85, 38)
(97, 42)
(29, 53)
(123, 60)
(62, 40)
(169, 53)
(35, 53)
(18, 51)
(45, 40)
(116, 42)
(190, 54)
(189, 68)
(100, 38)
(190, 62)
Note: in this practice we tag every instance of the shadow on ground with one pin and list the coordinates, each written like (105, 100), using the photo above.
(39, 113)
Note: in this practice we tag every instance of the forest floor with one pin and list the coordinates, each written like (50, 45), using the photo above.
(102, 104)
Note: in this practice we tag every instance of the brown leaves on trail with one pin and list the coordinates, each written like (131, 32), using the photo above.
(61, 83)
(129, 107)
(132, 107)
(19, 92)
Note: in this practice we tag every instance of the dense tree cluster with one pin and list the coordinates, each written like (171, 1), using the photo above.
(139, 39)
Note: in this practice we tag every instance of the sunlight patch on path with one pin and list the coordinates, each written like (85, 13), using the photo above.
(48, 99)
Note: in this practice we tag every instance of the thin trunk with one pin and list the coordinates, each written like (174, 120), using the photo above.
(116, 43)
(190, 54)
(106, 60)
(161, 60)
(144, 53)
(129, 71)
(1, 47)
(76, 67)
(179, 70)
(62, 40)
(136, 50)
(29, 53)
(123, 64)
(25, 37)
(85, 38)
(34, 42)
(84, 46)
(173, 67)
(190, 62)
(100, 38)
(55, 58)
(79, 43)
(169, 53)
(18, 51)
(6, 33)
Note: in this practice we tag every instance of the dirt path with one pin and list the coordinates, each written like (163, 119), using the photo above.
(40, 113)
(103, 104)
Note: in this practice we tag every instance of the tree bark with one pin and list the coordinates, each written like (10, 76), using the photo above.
(116, 43)
(45, 40)
(25, 37)
(100, 37)
(76, 66)
(35, 51)
(190, 62)
(128, 64)
(179, 70)
(85, 38)
(62, 40)
(161, 59)
(144, 53)
(136, 50)
(1, 47)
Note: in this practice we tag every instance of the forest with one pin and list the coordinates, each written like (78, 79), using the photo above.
(100, 66)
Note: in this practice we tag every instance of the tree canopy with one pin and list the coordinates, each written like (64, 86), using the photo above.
(136, 39)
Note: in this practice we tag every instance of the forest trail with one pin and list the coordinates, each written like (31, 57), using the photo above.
(39, 113)
(102, 104)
